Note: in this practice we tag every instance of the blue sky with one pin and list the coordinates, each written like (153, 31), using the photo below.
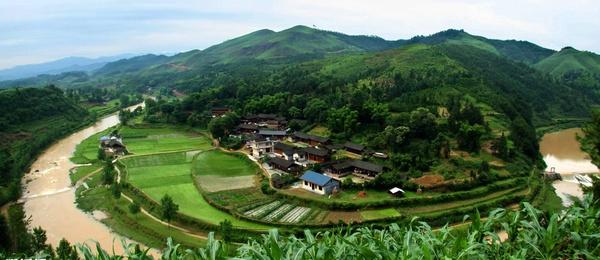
(33, 31)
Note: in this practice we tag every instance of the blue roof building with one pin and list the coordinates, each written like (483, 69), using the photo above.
(319, 183)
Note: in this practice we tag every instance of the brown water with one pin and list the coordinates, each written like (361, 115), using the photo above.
(561, 150)
(50, 199)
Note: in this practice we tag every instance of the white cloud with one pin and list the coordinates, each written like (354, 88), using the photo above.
(38, 30)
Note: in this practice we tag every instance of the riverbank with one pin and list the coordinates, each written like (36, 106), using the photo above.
(49, 197)
(562, 153)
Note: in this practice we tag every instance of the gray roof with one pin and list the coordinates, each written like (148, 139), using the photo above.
(316, 178)
(284, 147)
(354, 146)
(367, 166)
(272, 132)
(315, 151)
(315, 138)
(281, 162)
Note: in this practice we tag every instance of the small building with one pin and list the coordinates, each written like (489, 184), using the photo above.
(319, 183)
(354, 148)
(359, 168)
(112, 146)
(316, 154)
(310, 139)
(289, 152)
(396, 192)
(283, 165)
(219, 111)
(247, 128)
(260, 147)
(272, 134)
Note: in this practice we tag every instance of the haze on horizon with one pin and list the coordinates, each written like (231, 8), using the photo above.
(38, 31)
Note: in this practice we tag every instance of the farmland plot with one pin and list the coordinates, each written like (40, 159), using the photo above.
(295, 215)
(263, 210)
(278, 213)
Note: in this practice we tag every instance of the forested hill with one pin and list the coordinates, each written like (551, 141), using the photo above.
(32, 119)
(580, 69)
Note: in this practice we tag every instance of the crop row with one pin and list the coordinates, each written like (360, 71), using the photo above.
(278, 213)
(259, 211)
(295, 215)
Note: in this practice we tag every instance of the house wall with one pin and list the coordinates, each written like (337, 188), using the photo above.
(313, 187)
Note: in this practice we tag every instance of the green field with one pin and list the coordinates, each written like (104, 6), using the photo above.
(224, 164)
(79, 172)
(156, 140)
(377, 214)
(170, 173)
(87, 150)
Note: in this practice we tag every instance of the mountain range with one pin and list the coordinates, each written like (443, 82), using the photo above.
(59, 66)
(267, 50)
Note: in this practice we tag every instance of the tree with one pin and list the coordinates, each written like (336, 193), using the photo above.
(168, 208)
(108, 175)
(4, 234)
(226, 229)
(342, 120)
(590, 142)
(38, 241)
(65, 251)
(524, 138)
(220, 127)
(134, 208)
(500, 147)
(315, 110)
(124, 100)
(469, 137)
(423, 124)
(116, 190)
(294, 112)
(101, 154)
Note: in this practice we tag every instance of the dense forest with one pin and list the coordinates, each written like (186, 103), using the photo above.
(34, 118)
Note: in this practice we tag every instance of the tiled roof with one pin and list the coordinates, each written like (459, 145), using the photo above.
(315, 177)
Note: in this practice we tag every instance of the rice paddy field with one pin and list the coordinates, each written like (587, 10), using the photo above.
(158, 140)
(218, 171)
(170, 173)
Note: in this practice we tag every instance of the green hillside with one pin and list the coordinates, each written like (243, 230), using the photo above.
(523, 51)
(570, 60)
(37, 117)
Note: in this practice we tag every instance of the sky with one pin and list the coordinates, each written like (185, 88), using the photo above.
(34, 31)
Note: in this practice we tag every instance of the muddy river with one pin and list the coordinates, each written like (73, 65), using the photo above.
(50, 199)
(561, 150)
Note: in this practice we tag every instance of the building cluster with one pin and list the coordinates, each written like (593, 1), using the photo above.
(112, 146)
(292, 152)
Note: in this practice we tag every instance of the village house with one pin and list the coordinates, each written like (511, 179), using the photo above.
(247, 128)
(396, 192)
(260, 147)
(272, 134)
(354, 148)
(358, 168)
(312, 140)
(219, 111)
(319, 183)
(284, 165)
(270, 121)
(316, 155)
(112, 146)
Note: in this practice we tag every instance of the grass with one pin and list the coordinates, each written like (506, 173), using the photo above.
(80, 172)
(320, 130)
(223, 164)
(170, 173)
(378, 214)
(138, 227)
(456, 204)
(87, 150)
(141, 141)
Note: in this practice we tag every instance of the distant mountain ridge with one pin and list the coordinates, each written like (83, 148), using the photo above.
(570, 60)
(59, 66)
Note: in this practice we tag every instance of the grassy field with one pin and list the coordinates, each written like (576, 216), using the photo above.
(87, 150)
(224, 164)
(380, 213)
(80, 172)
(170, 173)
(156, 140)
(320, 131)
(138, 227)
